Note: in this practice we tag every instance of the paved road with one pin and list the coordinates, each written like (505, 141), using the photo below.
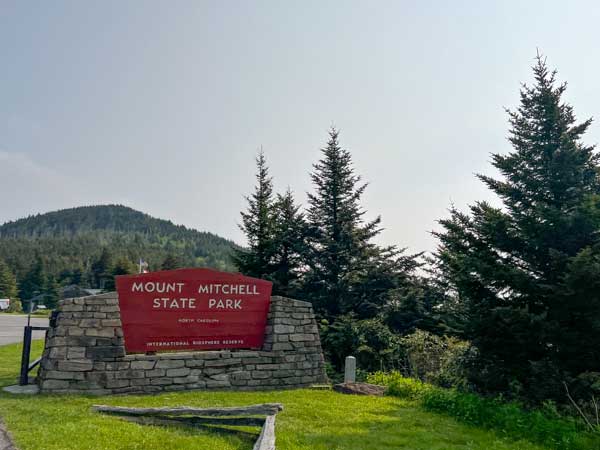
(11, 327)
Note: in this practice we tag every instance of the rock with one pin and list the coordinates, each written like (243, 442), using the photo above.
(359, 389)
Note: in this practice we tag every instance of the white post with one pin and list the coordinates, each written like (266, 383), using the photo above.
(350, 370)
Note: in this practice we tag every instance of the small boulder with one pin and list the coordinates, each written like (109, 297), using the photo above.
(359, 389)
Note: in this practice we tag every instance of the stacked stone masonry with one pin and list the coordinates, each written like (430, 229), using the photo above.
(85, 353)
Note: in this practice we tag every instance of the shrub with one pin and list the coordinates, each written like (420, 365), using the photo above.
(15, 306)
(543, 426)
(435, 359)
(370, 341)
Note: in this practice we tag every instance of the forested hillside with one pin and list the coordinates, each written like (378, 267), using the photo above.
(71, 243)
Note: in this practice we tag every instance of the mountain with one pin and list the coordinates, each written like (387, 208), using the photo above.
(73, 239)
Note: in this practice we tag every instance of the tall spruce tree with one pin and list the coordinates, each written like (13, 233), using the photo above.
(340, 240)
(34, 282)
(102, 269)
(258, 224)
(8, 282)
(527, 274)
(51, 292)
(289, 245)
(171, 262)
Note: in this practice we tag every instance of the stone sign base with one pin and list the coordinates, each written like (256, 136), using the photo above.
(85, 354)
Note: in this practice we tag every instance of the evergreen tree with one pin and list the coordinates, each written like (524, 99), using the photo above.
(51, 292)
(8, 282)
(122, 266)
(102, 269)
(526, 274)
(171, 262)
(33, 283)
(340, 240)
(289, 244)
(258, 224)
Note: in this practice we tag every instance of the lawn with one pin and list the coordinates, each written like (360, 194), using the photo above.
(311, 420)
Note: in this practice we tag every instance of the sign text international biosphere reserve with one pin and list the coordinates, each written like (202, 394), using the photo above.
(192, 309)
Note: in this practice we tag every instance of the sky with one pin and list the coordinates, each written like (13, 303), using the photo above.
(163, 105)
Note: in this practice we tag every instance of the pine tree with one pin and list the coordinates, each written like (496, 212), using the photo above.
(258, 224)
(122, 266)
(33, 283)
(171, 262)
(289, 244)
(340, 240)
(51, 292)
(8, 282)
(102, 269)
(532, 303)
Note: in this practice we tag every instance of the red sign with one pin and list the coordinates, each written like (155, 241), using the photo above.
(192, 309)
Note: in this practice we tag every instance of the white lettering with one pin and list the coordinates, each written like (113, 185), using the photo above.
(172, 303)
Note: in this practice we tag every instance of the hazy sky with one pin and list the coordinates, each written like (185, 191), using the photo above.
(162, 105)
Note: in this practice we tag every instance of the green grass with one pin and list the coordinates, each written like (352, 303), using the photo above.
(509, 418)
(311, 420)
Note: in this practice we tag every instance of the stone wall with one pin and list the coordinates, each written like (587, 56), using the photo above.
(85, 353)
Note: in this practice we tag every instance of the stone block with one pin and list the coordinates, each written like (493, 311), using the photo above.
(163, 381)
(222, 362)
(75, 352)
(60, 375)
(90, 323)
(129, 374)
(100, 377)
(71, 308)
(260, 374)
(75, 331)
(85, 385)
(54, 384)
(58, 352)
(75, 365)
(283, 329)
(194, 363)
(103, 353)
(56, 342)
(151, 389)
(283, 373)
(100, 332)
(156, 373)
(112, 384)
(302, 337)
(217, 384)
(80, 341)
(101, 301)
(118, 365)
(282, 346)
(186, 380)
(242, 375)
(170, 364)
(111, 323)
(145, 365)
(182, 372)
(174, 387)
